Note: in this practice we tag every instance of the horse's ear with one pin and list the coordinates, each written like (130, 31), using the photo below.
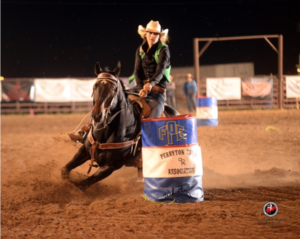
(97, 68)
(117, 70)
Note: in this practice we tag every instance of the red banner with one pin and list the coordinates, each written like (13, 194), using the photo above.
(257, 87)
(16, 90)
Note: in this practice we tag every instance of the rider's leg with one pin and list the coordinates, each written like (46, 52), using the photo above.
(156, 105)
(78, 136)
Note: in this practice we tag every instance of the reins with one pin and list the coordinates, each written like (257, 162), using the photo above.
(82, 120)
(115, 114)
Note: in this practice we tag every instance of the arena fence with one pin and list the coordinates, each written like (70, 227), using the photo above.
(33, 107)
(29, 106)
(289, 103)
(244, 103)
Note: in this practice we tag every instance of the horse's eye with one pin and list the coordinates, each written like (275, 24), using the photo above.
(112, 88)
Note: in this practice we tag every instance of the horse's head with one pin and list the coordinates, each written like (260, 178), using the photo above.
(105, 91)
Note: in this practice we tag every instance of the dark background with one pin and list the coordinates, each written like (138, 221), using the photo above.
(65, 38)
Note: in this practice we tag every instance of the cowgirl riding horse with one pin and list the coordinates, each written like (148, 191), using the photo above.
(152, 66)
(151, 70)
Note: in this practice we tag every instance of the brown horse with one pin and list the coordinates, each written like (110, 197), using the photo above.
(114, 139)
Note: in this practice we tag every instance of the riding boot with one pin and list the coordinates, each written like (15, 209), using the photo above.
(79, 135)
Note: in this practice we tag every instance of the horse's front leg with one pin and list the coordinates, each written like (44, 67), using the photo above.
(100, 174)
(79, 158)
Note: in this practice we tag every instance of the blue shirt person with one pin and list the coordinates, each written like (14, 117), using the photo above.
(190, 91)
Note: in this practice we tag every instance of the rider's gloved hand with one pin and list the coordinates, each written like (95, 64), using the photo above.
(147, 87)
(143, 93)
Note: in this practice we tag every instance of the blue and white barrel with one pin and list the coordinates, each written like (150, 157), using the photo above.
(172, 161)
(207, 111)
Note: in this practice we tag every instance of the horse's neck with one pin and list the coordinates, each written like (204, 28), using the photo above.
(120, 118)
(112, 123)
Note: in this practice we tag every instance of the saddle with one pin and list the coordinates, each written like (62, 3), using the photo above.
(141, 105)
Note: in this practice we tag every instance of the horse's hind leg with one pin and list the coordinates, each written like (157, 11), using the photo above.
(139, 165)
(100, 174)
(79, 158)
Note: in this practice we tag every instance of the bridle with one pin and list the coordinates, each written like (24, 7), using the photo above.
(107, 77)
(111, 78)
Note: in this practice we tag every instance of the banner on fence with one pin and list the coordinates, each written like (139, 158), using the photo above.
(63, 90)
(292, 86)
(257, 87)
(224, 88)
(16, 90)
(81, 90)
(49, 90)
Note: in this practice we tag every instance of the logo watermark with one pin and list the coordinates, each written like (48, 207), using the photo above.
(270, 209)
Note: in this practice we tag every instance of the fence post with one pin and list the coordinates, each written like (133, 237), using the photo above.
(280, 71)
(197, 64)
(73, 107)
(18, 105)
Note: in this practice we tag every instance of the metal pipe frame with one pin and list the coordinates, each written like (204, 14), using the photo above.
(198, 54)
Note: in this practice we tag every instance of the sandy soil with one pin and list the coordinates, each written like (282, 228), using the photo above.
(245, 166)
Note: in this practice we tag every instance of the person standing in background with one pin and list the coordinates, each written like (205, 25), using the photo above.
(171, 93)
(190, 91)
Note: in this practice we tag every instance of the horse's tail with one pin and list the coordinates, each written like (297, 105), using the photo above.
(170, 111)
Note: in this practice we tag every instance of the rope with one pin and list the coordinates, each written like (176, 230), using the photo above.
(82, 121)
(110, 120)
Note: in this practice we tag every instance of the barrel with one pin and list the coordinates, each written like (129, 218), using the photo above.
(172, 161)
(207, 111)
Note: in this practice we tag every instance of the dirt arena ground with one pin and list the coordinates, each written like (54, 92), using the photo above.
(244, 165)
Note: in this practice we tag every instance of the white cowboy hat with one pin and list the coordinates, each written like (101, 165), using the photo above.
(152, 26)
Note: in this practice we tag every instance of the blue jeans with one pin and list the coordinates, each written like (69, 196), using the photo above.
(191, 101)
(156, 102)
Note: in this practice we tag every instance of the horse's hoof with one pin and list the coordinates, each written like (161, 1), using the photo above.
(65, 173)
